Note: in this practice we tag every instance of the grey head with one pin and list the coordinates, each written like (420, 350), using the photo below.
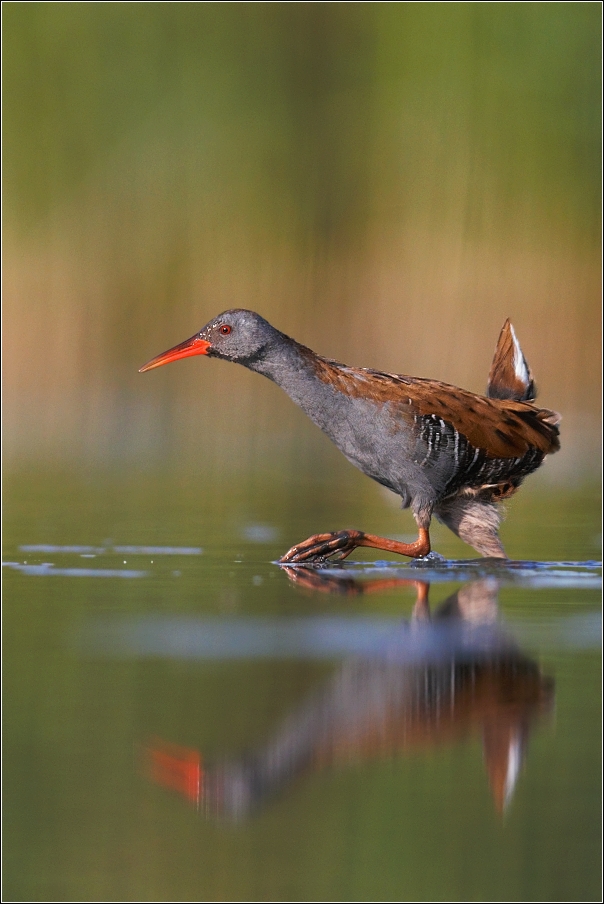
(237, 335)
(241, 336)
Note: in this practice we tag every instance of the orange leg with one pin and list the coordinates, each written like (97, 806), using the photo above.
(337, 545)
(310, 578)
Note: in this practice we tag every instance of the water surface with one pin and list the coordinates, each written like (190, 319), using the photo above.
(186, 720)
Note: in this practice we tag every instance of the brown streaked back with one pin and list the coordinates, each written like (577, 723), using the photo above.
(503, 428)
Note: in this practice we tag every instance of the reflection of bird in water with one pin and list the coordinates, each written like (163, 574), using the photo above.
(388, 705)
(443, 450)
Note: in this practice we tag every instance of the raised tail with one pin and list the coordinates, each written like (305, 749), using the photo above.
(510, 376)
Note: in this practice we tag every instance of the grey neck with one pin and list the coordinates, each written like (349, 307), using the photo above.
(289, 365)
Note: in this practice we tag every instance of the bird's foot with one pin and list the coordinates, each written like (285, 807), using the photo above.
(335, 546)
(321, 548)
(310, 578)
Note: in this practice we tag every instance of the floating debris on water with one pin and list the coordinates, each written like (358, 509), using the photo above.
(46, 569)
(117, 550)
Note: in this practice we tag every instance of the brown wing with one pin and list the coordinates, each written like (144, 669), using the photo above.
(503, 428)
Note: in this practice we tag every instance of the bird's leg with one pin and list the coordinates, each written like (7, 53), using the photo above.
(421, 609)
(337, 545)
(310, 578)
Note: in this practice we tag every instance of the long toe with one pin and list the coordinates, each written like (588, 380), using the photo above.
(321, 547)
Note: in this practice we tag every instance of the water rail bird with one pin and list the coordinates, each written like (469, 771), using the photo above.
(445, 451)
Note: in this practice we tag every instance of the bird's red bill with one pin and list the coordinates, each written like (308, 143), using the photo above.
(192, 346)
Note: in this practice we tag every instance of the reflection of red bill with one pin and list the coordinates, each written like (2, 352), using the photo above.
(175, 767)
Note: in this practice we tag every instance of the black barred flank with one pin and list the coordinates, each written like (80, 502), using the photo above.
(474, 470)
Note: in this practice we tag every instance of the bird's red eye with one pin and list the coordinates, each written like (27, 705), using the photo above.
(225, 329)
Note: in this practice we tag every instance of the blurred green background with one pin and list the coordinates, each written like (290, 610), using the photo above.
(386, 182)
